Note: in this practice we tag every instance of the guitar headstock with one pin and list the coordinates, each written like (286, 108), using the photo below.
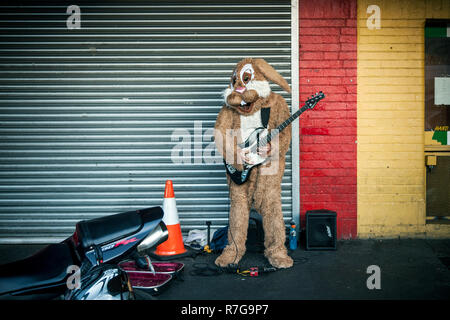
(315, 98)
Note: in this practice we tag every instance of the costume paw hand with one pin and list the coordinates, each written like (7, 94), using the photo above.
(265, 151)
(242, 155)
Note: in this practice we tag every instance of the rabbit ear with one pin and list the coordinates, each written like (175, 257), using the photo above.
(271, 74)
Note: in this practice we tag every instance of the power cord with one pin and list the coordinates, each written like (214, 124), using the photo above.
(203, 269)
(300, 260)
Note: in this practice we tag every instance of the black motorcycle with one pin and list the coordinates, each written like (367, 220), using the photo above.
(84, 266)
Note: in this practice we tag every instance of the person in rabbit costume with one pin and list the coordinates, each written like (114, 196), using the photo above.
(247, 94)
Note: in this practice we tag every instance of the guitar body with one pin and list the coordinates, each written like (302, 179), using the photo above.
(251, 145)
(238, 177)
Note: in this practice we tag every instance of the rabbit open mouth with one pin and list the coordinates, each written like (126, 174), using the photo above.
(246, 107)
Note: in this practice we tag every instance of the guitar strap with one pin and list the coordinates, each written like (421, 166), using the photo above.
(265, 115)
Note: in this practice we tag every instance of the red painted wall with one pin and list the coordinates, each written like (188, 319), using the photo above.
(328, 132)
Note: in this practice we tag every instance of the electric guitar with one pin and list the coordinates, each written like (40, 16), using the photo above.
(259, 138)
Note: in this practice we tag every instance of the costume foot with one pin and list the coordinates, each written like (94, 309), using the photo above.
(281, 261)
(227, 257)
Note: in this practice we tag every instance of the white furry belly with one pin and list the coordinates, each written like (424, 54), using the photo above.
(249, 124)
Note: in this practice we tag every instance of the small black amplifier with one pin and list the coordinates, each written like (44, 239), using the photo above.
(320, 230)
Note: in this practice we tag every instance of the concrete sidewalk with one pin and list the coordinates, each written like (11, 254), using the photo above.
(409, 269)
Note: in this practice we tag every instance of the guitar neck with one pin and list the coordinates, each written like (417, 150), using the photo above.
(288, 121)
(283, 125)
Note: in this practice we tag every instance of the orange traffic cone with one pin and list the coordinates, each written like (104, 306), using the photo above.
(174, 244)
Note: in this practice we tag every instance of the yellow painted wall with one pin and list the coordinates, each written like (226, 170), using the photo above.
(391, 170)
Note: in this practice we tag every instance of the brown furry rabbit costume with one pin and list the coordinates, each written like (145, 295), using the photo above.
(248, 92)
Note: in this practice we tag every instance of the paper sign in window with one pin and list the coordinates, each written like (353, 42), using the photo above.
(442, 90)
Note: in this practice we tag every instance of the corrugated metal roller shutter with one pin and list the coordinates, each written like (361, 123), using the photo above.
(88, 116)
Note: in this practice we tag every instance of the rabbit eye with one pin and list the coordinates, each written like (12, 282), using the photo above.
(247, 73)
(233, 81)
(246, 77)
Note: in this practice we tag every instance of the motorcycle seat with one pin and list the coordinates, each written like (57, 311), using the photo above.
(46, 268)
(106, 229)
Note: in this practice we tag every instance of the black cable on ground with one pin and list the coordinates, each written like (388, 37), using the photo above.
(300, 260)
(203, 269)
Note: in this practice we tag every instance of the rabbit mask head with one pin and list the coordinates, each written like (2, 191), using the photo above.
(249, 84)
